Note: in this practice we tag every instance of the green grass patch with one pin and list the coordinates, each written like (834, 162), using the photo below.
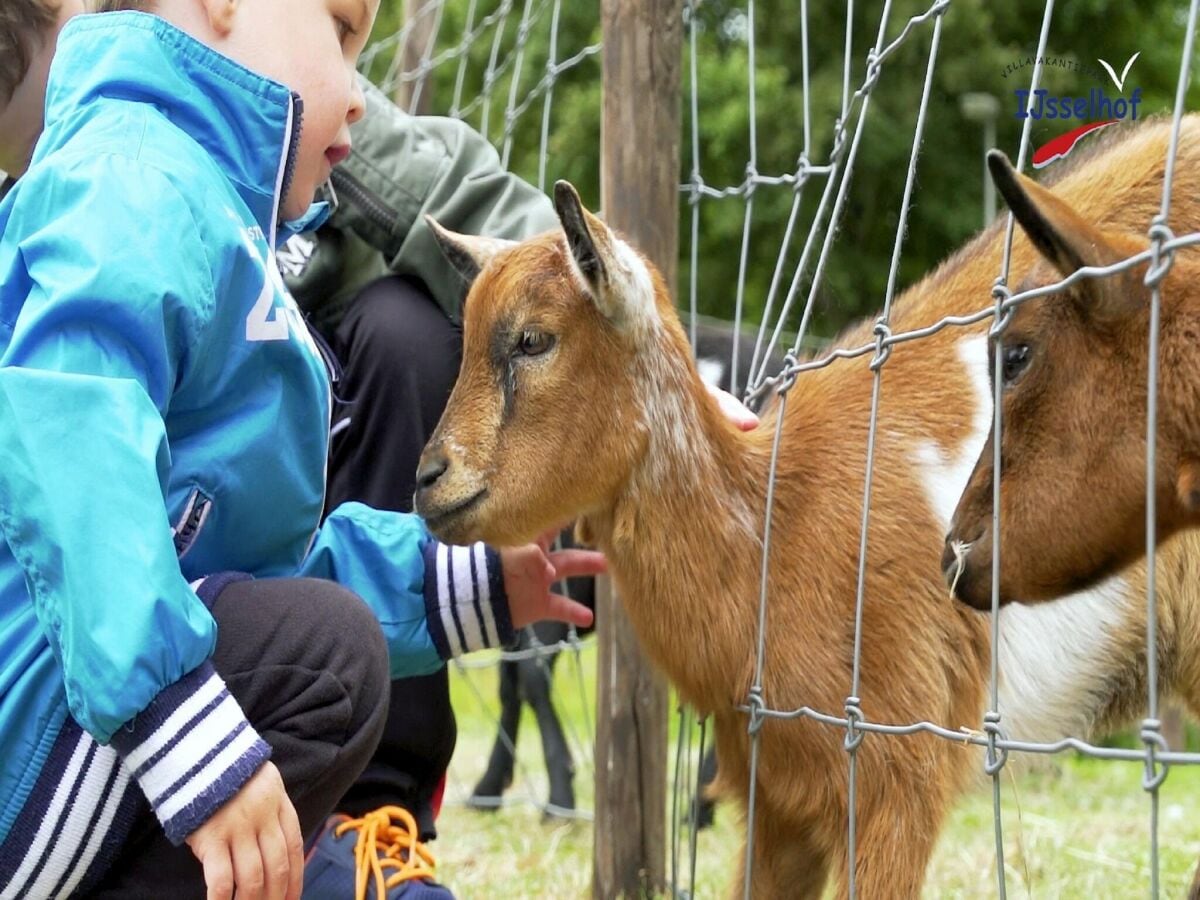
(1074, 827)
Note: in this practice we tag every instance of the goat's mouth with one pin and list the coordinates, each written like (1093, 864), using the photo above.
(452, 523)
(968, 579)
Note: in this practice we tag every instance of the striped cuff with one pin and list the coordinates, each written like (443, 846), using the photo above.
(190, 750)
(465, 603)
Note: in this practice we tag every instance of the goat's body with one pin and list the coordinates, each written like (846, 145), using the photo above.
(677, 500)
(1073, 667)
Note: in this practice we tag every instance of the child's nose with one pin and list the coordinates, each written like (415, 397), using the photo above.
(358, 103)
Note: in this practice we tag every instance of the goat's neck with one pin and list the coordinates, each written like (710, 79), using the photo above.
(1179, 381)
(683, 535)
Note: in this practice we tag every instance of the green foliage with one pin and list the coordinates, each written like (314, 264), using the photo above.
(979, 40)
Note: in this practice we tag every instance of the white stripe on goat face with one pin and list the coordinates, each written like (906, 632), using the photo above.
(1051, 655)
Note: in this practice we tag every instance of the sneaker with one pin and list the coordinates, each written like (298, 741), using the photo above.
(377, 857)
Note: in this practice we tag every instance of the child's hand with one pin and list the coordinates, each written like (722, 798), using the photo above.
(733, 409)
(530, 570)
(253, 843)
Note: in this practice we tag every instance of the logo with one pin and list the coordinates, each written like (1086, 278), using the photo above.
(294, 256)
(1119, 82)
(1094, 109)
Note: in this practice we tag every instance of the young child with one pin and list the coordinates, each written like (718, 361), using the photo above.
(163, 417)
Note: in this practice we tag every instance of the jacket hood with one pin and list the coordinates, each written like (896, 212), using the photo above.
(249, 124)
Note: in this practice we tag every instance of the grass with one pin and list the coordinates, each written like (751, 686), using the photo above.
(1081, 830)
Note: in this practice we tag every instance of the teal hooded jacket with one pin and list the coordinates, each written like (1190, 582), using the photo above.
(164, 416)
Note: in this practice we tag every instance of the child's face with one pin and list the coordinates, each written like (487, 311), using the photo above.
(312, 47)
(21, 119)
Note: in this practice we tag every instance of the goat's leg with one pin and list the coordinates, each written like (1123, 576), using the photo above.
(535, 680)
(787, 862)
(499, 773)
(894, 839)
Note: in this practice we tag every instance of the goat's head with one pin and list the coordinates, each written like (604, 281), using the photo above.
(544, 422)
(1073, 394)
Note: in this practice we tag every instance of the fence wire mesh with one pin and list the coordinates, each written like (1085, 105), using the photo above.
(834, 174)
(496, 65)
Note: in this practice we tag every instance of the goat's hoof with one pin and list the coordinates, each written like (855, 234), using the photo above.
(561, 806)
(487, 796)
(485, 802)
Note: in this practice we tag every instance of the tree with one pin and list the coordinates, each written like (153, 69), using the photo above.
(980, 40)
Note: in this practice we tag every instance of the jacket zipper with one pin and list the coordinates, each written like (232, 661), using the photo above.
(195, 513)
(296, 120)
(373, 208)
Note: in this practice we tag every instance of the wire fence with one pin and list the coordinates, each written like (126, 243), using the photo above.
(836, 174)
(497, 65)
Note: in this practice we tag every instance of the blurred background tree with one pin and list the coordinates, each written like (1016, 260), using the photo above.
(979, 40)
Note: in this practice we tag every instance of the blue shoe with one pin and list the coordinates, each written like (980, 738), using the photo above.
(377, 857)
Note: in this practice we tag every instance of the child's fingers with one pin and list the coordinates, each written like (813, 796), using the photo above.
(218, 873)
(290, 824)
(276, 862)
(733, 409)
(569, 563)
(564, 609)
(248, 871)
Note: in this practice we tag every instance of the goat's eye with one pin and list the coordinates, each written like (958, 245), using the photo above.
(534, 343)
(1016, 358)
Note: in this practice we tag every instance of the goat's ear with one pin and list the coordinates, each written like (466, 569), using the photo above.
(592, 247)
(1064, 238)
(467, 253)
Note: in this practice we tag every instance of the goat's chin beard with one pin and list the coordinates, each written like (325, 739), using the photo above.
(457, 524)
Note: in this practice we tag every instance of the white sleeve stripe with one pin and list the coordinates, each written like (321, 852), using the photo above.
(205, 735)
(217, 768)
(464, 596)
(485, 600)
(58, 806)
(175, 722)
(443, 586)
(107, 814)
(77, 819)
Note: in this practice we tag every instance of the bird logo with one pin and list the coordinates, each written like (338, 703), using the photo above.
(1119, 82)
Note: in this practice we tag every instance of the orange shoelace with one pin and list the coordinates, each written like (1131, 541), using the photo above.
(388, 850)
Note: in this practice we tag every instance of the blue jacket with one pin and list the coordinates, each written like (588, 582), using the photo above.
(163, 416)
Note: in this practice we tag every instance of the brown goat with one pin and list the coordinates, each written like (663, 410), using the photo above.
(577, 397)
(1075, 366)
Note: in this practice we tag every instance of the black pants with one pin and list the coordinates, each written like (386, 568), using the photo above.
(308, 664)
(400, 355)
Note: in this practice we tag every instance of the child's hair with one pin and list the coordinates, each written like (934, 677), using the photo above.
(23, 25)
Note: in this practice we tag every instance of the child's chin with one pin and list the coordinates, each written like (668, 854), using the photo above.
(296, 201)
(292, 209)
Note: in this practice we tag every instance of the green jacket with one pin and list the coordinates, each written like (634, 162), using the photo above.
(401, 169)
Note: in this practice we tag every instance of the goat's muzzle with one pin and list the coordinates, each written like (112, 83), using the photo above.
(447, 495)
(967, 576)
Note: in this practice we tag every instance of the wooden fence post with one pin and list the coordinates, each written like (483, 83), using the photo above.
(639, 194)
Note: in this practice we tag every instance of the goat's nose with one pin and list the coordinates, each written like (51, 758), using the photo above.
(431, 470)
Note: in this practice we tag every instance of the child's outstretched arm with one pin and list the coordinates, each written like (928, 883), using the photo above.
(435, 601)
